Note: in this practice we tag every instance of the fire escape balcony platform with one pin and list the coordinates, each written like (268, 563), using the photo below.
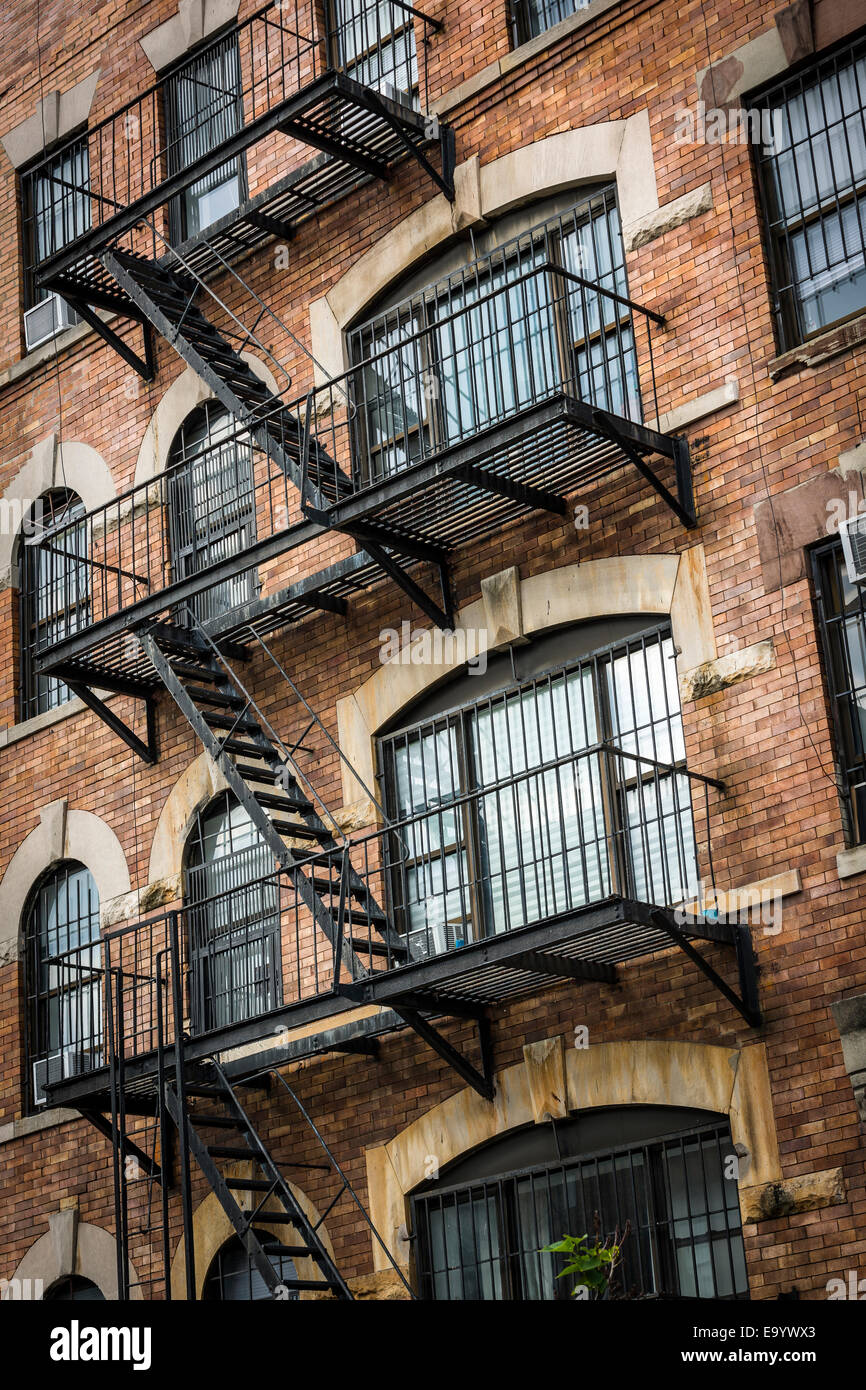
(105, 652)
(586, 944)
(237, 1045)
(530, 462)
(360, 135)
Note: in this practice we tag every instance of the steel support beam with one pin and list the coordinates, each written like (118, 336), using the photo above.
(482, 1082)
(564, 967)
(685, 513)
(128, 1146)
(146, 749)
(144, 366)
(746, 1003)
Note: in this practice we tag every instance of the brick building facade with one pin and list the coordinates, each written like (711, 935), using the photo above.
(587, 174)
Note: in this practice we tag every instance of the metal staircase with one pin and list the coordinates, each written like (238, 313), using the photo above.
(241, 1145)
(167, 300)
(264, 777)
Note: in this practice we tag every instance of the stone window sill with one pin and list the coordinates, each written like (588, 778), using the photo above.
(817, 351)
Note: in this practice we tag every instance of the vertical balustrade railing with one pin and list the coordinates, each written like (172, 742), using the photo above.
(482, 358)
(187, 124)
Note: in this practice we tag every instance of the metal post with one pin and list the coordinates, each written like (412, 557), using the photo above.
(115, 1135)
(183, 1126)
(164, 1145)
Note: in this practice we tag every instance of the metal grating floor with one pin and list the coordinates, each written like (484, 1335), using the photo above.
(548, 448)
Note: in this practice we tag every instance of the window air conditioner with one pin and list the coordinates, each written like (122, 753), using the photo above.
(59, 1066)
(46, 319)
(853, 533)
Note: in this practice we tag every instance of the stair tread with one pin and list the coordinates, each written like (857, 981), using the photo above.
(251, 1184)
(295, 1252)
(299, 830)
(306, 1283)
(219, 1121)
(214, 674)
(274, 801)
(255, 774)
(216, 697)
(251, 750)
(242, 723)
(376, 948)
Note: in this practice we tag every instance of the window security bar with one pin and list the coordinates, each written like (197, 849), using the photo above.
(486, 1240)
(811, 166)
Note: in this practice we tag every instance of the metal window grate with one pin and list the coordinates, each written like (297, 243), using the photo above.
(500, 334)
(233, 919)
(233, 1277)
(204, 109)
(63, 999)
(483, 1241)
(212, 506)
(56, 209)
(841, 609)
(471, 862)
(375, 45)
(529, 18)
(54, 596)
(812, 176)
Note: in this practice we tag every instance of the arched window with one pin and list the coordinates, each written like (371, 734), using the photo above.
(212, 513)
(233, 917)
(232, 1276)
(670, 1174)
(74, 1289)
(54, 593)
(63, 986)
(497, 324)
(579, 738)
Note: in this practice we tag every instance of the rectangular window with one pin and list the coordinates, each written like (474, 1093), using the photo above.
(204, 109)
(484, 1240)
(56, 210)
(842, 624)
(529, 18)
(503, 334)
(812, 167)
(375, 45)
(555, 831)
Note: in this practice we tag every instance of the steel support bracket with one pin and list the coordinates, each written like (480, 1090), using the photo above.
(683, 504)
(129, 1146)
(145, 748)
(480, 1081)
(747, 1002)
(144, 366)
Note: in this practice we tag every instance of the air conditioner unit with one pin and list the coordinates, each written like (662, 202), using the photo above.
(59, 1066)
(853, 533)
(46, 319)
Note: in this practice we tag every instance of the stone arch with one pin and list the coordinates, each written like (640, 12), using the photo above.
(73, 1247)
(212, 1228)
(181, 398)
(511, 609)
(701, 1076)
(52, 464)
(196, 785)
(620, 150)
(61, 834)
